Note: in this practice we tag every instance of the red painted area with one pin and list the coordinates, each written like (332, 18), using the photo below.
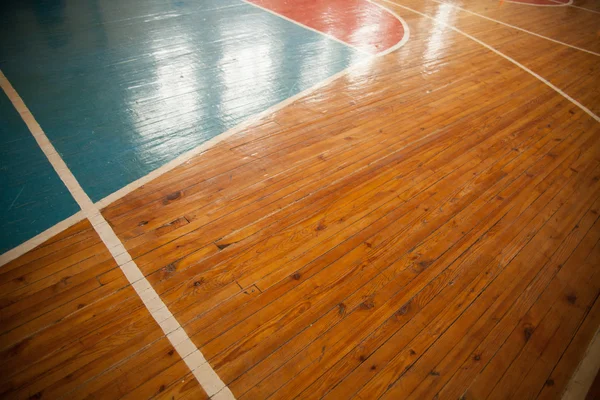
(543, 2)
(357, 22)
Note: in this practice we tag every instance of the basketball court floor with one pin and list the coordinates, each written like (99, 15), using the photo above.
(312, 199)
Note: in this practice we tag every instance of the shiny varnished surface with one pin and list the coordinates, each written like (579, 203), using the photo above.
(425, 226)
(570, 70)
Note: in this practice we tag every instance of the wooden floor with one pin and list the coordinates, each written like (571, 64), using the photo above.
(425, 226)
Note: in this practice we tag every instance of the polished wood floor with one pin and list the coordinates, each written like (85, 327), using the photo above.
(72, 324)
(425, 226)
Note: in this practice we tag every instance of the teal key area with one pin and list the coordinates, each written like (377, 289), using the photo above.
(123, 87)
(33, 198)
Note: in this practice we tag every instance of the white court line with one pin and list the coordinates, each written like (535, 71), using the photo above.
(40, 238)
(586, 9)
(558, 4)
(518, 64)
(183, 158)
(381, 53)
(584, 375)
(517, 28)
(581, 8)
(187, 350)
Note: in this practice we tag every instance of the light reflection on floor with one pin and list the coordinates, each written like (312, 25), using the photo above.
(122, 88)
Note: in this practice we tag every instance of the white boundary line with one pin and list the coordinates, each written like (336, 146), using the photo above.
(517, 28)
(206, 376)
(181, 159)
(586, 9)
(40, 238)
(579, 7)
(558, 4)
(518, 64)
(583, 377)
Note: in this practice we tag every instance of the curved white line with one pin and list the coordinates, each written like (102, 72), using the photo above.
(517, 28)
(40, 238)
(518, 64)
(405, 28)
(308, 27)
(542, 5)
(400, 43)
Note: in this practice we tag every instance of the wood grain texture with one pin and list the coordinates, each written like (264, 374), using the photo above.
(425, 226)
(72, 327)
